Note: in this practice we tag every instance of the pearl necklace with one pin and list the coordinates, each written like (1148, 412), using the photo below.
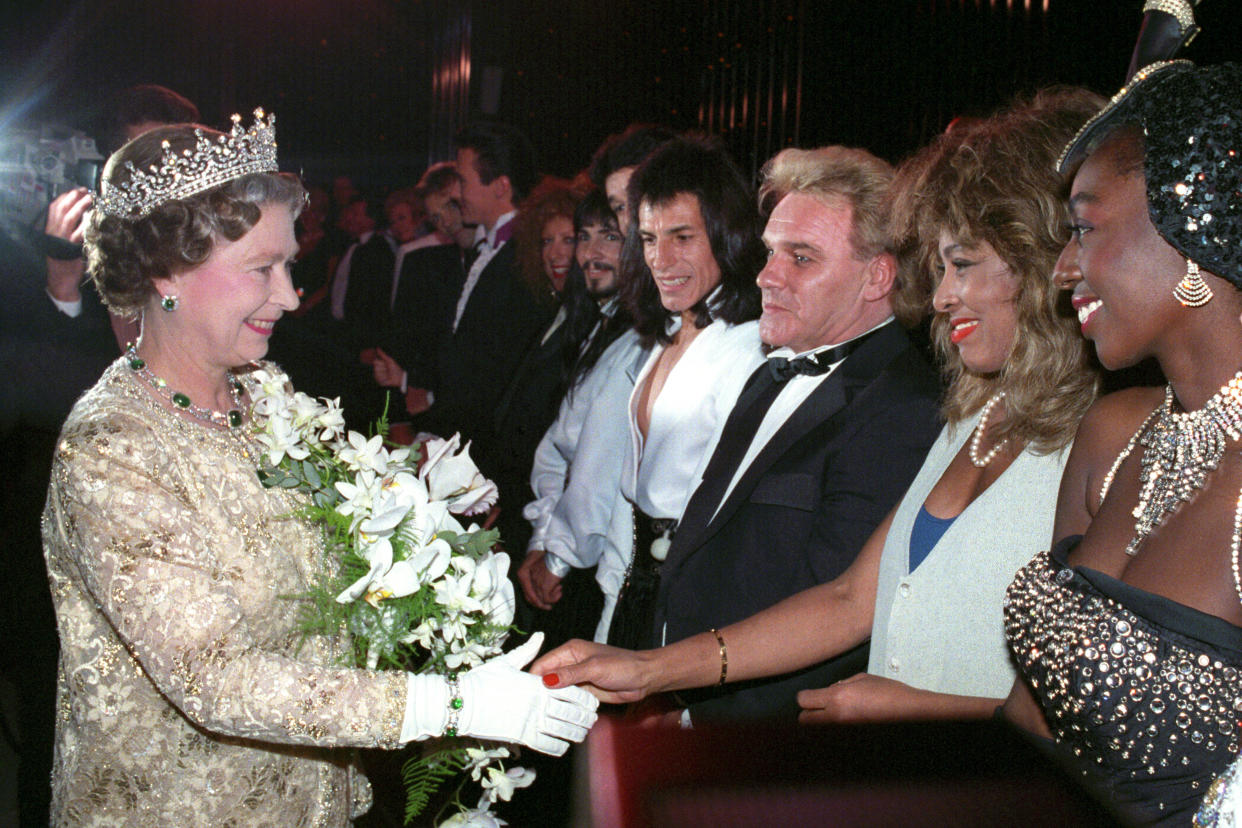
(977, 437)
(230, 419)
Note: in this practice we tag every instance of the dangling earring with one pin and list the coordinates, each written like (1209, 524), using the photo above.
(1192, 291)
(169, 302)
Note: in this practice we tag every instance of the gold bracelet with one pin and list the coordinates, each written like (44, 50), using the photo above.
(1180, 9)
(724, 656)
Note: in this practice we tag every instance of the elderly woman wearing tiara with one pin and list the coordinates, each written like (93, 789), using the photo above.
(184, 698)
(1128, 634)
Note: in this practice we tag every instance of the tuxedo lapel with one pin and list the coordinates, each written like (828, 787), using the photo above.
(825, 402)
(706, 495)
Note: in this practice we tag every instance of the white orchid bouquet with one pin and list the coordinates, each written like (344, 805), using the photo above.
(413, 588)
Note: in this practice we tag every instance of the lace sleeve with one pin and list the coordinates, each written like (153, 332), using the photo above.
(181, 556)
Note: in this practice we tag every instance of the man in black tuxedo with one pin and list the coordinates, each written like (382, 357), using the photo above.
(428, 287)
(495, 316)
(823, 440)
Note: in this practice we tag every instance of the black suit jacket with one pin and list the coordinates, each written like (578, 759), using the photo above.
(368, 292)
(475, 363)
(801, 512)
(48, 359)
(422, 315)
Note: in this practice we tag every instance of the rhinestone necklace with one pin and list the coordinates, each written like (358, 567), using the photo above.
(1179, 449)
(230, 419)
(977, 437)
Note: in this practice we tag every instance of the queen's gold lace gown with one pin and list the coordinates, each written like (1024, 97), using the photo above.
(183, 698)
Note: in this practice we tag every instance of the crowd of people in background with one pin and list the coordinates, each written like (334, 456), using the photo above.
(729, 474)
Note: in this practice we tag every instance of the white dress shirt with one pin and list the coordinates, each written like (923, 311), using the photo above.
(340, 279)
(615, 466)
(795, 392)
(662, 469)
(488, 248)
(429, 240)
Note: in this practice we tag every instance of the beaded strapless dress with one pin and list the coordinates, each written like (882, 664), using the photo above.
(1142, 692)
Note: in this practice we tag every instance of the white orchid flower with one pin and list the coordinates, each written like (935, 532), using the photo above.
(271, 383)
(493, 588)
(361, 453)
(478, 758)
(331, 421)
(379, 554)
(454, 477)
(281, 439)
(500, 784)
(305, 409)
(453, 592)
(401, 507)
(425, 633)
(407, 577)
(455, 627)
(271, 394)
(465, 656)
(428, 517)
(479, 817)
(360, 496)
(389, 509)
(500, 604)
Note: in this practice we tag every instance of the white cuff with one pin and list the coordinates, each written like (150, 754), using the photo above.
(556, 566)
(72, 308)
(426, 707)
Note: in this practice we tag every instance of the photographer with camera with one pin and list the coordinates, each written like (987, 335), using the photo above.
(56, 338)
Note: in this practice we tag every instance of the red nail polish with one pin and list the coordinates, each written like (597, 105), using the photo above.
(550, 680)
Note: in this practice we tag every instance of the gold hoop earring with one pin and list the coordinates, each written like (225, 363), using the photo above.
(1192, 291)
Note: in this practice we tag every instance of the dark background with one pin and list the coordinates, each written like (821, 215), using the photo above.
(375, 88)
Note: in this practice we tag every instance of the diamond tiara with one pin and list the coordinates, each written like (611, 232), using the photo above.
(209, 164)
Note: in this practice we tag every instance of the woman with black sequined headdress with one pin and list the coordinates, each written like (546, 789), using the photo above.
(1128, 634)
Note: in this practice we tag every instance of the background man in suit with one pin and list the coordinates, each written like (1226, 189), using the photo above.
(495, 316)
(823, 440)
(428, 286)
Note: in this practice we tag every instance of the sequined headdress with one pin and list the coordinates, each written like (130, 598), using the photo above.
(180, 175)
(1191, 119)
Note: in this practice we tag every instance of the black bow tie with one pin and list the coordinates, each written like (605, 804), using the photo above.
(783, 369)
(817, 363)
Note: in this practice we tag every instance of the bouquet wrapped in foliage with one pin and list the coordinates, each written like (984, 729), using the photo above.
(414, 589)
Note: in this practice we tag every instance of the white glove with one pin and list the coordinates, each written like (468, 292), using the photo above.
(502, 703)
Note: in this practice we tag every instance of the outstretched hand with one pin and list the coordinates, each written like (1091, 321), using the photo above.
(505, 704)
(610, 674)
